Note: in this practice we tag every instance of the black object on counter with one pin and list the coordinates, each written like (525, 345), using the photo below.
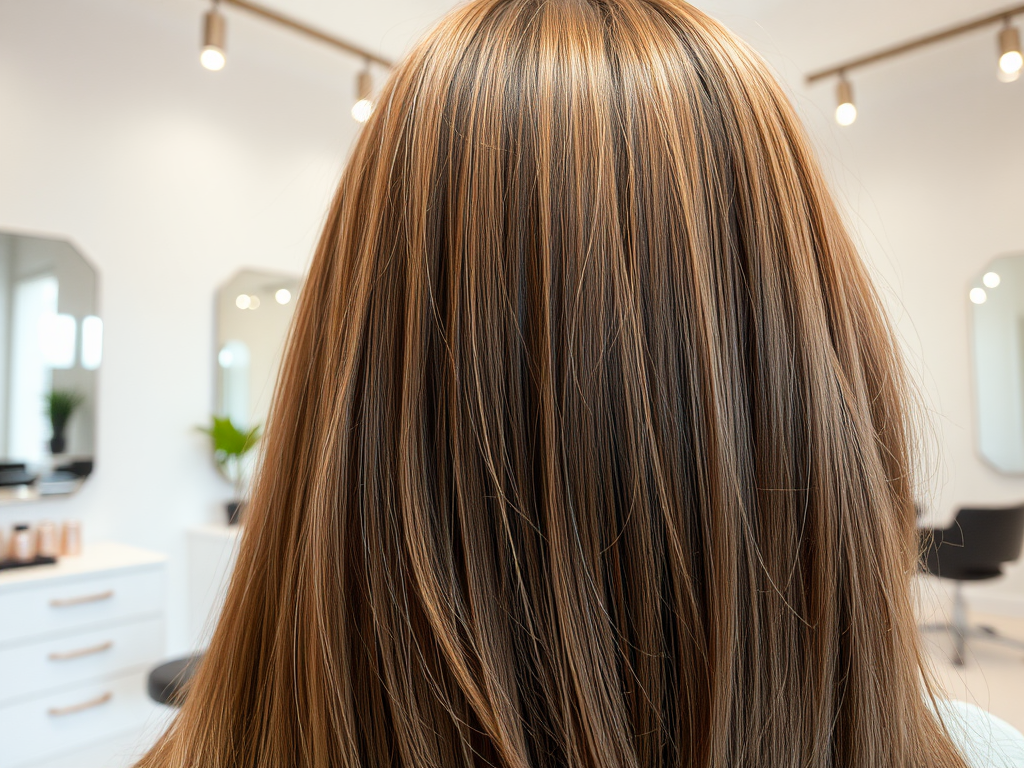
(80, 468)
(15, 474)
(38, 560)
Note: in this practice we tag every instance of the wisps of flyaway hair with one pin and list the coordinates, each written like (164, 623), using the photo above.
(590, 446)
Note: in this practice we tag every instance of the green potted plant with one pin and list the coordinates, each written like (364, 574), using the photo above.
(60, 404)
(230, 446)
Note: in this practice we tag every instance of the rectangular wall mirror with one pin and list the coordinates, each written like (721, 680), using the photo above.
(997, 299)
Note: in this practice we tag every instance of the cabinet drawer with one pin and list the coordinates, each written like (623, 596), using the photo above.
(65, 660)
(59, 722)
(38, 611)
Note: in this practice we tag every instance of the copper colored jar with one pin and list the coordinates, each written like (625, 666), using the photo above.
(47, 543)
(21, 544)
(72, 540)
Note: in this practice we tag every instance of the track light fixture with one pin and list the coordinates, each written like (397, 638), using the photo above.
(846, 111)
(212, 56)
(1010, 58)
(363, 107)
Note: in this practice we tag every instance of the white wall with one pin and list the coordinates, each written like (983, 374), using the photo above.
(168, 178)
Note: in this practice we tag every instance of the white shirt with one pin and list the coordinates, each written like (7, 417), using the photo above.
(983, 739)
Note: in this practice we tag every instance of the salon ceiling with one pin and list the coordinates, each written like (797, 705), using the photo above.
(797, 35)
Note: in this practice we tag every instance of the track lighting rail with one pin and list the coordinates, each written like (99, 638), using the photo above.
(277, 18)
(920, 42)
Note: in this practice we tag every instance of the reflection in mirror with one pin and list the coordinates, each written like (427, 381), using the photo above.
(997, 297)
(254, 310)
(51, 345)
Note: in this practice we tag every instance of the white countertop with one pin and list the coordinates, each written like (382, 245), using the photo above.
(100, 556)
(217, 531)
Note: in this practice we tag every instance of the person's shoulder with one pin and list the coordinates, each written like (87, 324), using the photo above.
(984, 739)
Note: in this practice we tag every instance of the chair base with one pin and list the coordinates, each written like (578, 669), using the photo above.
(962, 631)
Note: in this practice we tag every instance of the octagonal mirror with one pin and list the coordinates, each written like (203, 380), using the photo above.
(254, 311)
(51, 348)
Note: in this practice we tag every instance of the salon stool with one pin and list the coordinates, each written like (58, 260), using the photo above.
(167, 683)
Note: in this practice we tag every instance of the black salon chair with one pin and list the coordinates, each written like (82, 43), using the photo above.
(973, 548)
(168, 683)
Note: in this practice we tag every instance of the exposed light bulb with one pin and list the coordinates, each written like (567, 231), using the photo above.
(362, 110)
(1010, 58)
(212, 56)
(282, 296)
(363, 107)
(991, 279)
(254, 302)
(1011, 62)
(846, 111)
(242, 301)
(978, 295)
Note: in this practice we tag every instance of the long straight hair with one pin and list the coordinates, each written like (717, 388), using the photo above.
(590, 446)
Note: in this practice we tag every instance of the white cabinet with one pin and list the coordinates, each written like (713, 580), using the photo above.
(212, 550)
(77, 640)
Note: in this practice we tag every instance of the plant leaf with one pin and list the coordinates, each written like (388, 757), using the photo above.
(228, 440)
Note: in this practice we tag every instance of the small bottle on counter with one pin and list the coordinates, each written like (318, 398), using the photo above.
(47, 544)
(21, 544)
(72, 540)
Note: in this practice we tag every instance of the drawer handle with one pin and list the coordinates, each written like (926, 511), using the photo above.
(65, 602)
(80, 652)
(81, 707)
